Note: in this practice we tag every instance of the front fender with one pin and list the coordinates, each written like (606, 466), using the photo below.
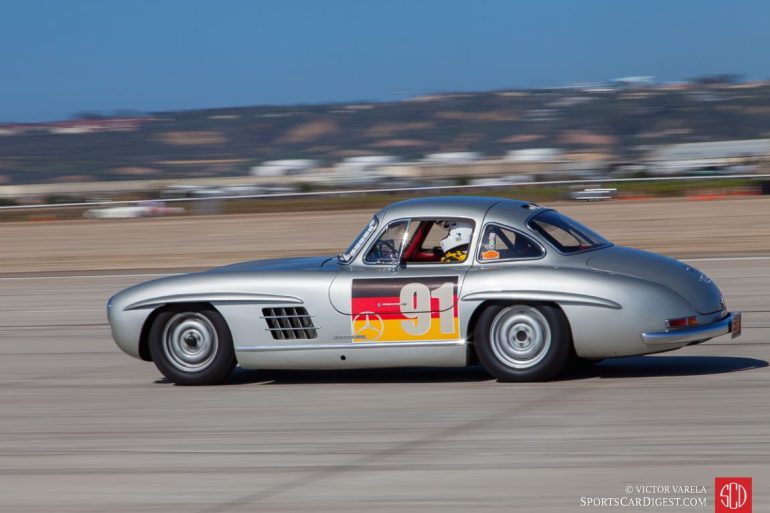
(130, 309)
(238, 296)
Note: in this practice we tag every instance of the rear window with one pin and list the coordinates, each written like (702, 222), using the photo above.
(567, 235)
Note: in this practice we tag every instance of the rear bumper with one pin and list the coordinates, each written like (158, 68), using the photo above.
(693, 334)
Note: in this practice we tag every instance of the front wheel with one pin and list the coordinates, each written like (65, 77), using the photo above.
(192, 346)
(523, 342)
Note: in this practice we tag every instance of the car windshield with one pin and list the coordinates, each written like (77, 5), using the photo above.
(567, 235)
(358, 242)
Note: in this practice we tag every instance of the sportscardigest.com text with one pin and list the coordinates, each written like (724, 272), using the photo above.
(651, 496)
(643, 502)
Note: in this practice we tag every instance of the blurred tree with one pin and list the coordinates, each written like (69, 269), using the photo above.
(718, 78)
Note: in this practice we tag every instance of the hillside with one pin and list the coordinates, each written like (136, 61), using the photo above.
(622, 123)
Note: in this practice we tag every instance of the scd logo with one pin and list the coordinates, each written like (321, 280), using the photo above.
(732, 494)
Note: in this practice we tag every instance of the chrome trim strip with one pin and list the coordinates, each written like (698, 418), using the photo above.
(306, 316)
(536, 295)
(351, 345)
(294, 329)
(692, 334)
(218, 297)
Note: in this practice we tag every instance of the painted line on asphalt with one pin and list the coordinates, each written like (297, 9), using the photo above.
(47, 310)
(726, 259)
(72, 276)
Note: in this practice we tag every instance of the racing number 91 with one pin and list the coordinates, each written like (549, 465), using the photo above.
(405, 309)
(415, 301)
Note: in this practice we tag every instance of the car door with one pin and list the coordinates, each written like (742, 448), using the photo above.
(390, 299)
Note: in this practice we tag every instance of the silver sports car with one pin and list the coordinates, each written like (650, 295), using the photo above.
(442, 281)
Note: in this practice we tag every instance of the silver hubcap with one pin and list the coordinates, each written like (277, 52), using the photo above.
(520, 337)
(190, 341)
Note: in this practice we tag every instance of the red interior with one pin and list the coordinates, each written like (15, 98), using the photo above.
(414, 251)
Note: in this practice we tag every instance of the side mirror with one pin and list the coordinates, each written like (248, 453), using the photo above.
(398, 265)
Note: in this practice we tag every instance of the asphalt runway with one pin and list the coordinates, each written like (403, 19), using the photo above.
(85, 428)
(673, 226)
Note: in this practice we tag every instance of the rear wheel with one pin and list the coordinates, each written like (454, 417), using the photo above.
(192, 346)
(522, 342)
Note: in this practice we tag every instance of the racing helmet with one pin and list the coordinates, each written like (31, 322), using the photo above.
(459, 235)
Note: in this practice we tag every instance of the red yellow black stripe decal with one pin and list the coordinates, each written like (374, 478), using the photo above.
(405, 309)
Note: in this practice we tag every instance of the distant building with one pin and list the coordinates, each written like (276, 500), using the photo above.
(11, 130)
(284, 167)
(363, 170)
(688, 157)
(534, 155)
(634, 82)
(368, 161)
(85, 126)
(364, 165)
(455, 157)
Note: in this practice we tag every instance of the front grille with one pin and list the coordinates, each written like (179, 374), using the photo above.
(289, 323)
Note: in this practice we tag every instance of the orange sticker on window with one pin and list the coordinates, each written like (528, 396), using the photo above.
(490, 254)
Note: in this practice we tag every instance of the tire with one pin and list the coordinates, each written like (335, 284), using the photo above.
(523, 342)
(192, 346)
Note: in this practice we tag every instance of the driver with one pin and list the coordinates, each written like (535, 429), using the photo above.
(455, 245)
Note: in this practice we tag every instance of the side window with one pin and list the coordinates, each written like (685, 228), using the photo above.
(387, 248)
(443, 241)
(433, 238)
(500, 243)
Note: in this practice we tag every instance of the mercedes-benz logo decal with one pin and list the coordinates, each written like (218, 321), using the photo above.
(371, 329)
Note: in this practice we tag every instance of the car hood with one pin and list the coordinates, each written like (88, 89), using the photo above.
(690, 283)
(277, 264)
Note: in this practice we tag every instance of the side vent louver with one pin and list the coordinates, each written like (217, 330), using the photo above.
(289, 323)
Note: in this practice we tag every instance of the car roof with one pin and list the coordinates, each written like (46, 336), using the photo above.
(474, 207)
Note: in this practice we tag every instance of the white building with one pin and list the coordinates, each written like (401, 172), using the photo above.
(284, 167)
(363, 170)
(452, 158)
(534, 155)
(367, 162)
(634, 82)
(671, 159)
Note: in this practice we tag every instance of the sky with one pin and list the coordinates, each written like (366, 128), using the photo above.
(59, 58)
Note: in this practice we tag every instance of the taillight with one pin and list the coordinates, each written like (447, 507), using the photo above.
(682, 322)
